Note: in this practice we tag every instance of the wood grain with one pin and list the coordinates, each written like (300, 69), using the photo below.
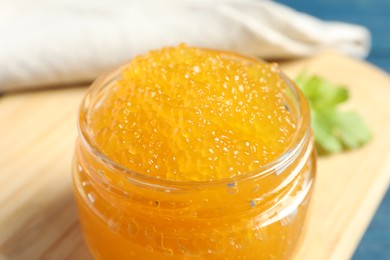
(38, 218)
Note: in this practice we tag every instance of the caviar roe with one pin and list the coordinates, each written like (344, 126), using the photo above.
(185, 113)
(188, 153)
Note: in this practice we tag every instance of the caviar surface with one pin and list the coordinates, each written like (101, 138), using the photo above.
(184, 113)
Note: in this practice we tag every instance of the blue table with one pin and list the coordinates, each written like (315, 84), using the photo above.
(375, 15)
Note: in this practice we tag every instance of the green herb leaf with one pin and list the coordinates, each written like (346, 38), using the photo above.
(334, 130)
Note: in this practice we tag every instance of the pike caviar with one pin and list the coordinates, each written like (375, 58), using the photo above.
(188, 153)
(192, 114)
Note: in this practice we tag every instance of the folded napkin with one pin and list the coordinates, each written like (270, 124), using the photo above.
(46, 43)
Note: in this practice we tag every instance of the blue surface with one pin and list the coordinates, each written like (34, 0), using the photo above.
(375, 15)
(376, 242)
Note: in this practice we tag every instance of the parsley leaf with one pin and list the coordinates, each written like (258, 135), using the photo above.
(334, 130)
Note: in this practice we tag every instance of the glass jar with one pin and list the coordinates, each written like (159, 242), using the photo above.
(128, 215)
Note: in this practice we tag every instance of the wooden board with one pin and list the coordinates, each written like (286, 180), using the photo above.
(38, 218)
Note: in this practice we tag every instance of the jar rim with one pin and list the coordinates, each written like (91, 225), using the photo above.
(294, 148)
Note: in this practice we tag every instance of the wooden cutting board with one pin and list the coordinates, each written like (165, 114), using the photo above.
(38, 218)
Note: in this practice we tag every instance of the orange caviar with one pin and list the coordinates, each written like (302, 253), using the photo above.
(191, 114)
(187, 153)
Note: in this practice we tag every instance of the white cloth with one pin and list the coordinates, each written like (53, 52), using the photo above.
(52, 42)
